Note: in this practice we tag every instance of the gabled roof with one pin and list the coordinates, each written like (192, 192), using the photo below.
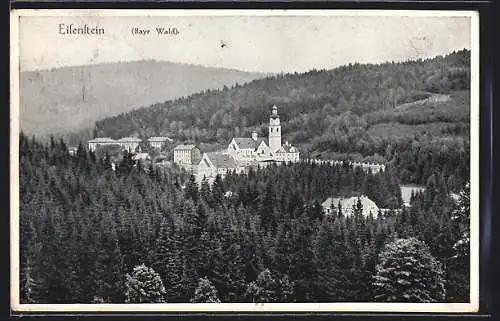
(130, 139)
(102, 140)
(185, 147)
(249, 143)
(159, 139)
(287, 149)
(348, 203)
(220, 160)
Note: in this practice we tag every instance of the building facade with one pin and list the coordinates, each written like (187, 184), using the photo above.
(187, 155)
(158, 141)
(101, 141)
(217, 163)
(130, 143)
(287, 153)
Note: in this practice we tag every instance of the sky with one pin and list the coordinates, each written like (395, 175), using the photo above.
(277, 43)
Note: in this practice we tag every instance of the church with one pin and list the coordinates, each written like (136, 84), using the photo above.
(244, 152)
(254, 149)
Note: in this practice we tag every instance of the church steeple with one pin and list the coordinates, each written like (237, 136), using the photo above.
(274, 130)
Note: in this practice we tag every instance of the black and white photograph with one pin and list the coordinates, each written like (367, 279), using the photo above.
(244, 160)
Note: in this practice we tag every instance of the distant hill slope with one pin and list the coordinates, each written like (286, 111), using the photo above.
(72, 98)
(350, 111)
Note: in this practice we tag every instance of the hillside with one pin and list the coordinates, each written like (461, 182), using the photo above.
(350, 111)
(73, 98)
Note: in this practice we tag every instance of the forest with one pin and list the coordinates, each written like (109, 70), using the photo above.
(91, 234)
(351, 112)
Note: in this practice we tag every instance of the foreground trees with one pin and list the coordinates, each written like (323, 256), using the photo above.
(407, 272)
(144, 286)
(85, 226)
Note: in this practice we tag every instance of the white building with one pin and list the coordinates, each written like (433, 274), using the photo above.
(158, 141)
(331, 205)
(215, 163)
(248, 150)
(129, 143)
(187, 155)
(287, 153)
(274, 130)
(101, 141)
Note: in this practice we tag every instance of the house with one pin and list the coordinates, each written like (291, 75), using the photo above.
(129, 143)
(187, 155)
(215, 163)
(158, 141)
(331, 205)
(287, 153)
(101, 141)
(247, 149)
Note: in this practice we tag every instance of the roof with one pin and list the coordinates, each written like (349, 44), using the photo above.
(287, 149)
(102, 140)
(129, 139)
(248, 142)
(220, 160)
(348, 203)
(159, 139)
(184, 147)
(140, 156)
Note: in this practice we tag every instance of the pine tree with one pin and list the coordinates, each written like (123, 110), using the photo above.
(205, 292)
(407, 272)
(269, 287)
(167, 261)
(144, 286)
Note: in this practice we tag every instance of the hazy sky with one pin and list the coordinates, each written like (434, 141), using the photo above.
(252, 43)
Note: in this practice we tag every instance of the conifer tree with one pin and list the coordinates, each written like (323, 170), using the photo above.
(144, 285)
(407, 272)
(205, 292)
(270, 288)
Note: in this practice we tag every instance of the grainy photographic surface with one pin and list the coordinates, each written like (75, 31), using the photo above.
(316, 160)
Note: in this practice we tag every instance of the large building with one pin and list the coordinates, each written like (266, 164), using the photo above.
(187, 155)
(158, 141)
(287, 153)
(248, 150)
(331, 205)
(216, 163)
(101, 141)
(129, 143)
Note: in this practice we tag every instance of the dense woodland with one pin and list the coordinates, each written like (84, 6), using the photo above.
(91, 234)
(351, 112)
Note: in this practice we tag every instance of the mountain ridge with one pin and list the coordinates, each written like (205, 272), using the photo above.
(72, 98)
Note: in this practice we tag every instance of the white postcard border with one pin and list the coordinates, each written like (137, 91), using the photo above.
(16, 306)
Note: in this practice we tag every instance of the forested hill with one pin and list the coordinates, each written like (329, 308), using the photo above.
(351, 111)
(72, 98)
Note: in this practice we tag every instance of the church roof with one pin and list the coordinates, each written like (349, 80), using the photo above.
(248, 143)
(220, 160)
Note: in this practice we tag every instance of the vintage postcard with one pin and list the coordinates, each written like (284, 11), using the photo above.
(244, 161)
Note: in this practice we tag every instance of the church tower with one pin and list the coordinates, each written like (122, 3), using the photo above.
(274, 130)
